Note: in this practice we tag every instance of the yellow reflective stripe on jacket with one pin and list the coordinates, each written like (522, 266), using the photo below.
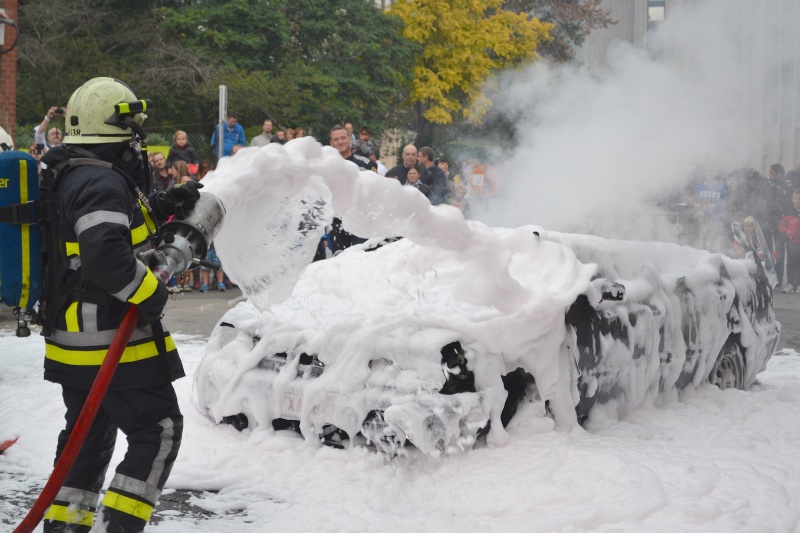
(123, 504)
(146, 288)
(62, 513)
(139, 234)
(148, 220)
(71, 316)
(78, 357)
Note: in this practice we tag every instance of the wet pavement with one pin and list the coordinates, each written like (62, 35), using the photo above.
(196, 313)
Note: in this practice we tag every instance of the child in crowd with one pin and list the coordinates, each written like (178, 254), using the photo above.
(457, 198)
(790, 227)
(749, 228)
(205, 273)
(181, 150)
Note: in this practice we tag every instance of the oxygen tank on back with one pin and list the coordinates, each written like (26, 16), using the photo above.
(20, 237)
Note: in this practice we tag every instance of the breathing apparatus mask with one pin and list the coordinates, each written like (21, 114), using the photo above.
(134, 159)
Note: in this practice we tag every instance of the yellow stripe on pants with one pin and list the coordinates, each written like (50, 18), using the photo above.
(123, 504)
(62, 513)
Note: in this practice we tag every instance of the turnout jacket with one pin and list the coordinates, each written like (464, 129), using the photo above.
(103, 225)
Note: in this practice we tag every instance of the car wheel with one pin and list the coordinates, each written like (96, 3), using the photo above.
(728, 371)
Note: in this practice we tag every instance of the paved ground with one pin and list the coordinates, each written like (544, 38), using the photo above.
(787, 311)
(192, 313)
(196, 313)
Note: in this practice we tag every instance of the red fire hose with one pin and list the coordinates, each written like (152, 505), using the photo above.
(84, 422)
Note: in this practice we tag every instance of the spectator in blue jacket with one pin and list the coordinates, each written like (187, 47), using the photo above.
(233, 134)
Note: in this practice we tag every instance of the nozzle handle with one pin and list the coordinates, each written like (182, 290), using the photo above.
(208, 264)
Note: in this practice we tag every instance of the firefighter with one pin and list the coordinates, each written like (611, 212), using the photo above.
(95, 269)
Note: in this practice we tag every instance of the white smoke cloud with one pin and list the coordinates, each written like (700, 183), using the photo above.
(591, 144)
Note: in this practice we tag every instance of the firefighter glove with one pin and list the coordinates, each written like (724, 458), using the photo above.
(180, 200)
(152, 307)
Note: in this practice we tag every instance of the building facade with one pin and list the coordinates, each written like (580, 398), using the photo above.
(8, 69)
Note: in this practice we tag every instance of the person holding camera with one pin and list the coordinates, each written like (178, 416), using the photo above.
(52, 137)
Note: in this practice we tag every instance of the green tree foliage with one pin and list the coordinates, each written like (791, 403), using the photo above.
(310, 63)
(336, 60)
(245, 33)
(572, 21)
(60, 42)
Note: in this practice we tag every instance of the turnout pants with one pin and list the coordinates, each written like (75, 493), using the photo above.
(152, 421)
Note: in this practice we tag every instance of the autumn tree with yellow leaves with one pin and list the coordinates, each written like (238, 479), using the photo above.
(461, 43)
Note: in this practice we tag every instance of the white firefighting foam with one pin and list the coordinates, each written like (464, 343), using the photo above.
(502, 293)
(450, 280)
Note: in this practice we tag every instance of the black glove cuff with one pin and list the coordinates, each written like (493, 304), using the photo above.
(164, 205)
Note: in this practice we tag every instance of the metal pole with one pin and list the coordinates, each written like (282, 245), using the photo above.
(223, 112)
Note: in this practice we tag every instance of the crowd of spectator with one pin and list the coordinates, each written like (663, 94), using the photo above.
(766, 208)
(468, 188)
(182, 165)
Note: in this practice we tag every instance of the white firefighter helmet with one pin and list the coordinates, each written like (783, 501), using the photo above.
(91, 106)
(6, 142)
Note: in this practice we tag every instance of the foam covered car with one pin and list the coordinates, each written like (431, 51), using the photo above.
(403, 344)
